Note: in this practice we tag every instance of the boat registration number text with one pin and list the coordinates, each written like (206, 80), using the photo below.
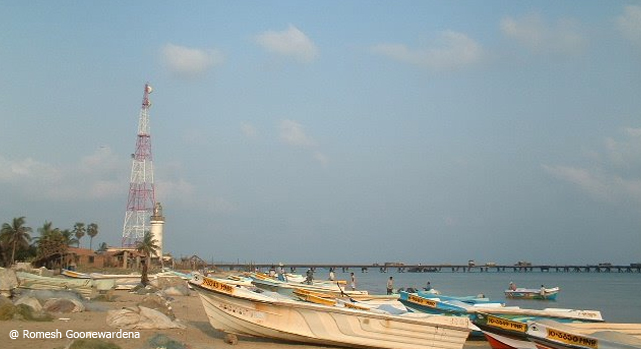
(215, 285)
(506, 324)
(422, 301)
(570, 338)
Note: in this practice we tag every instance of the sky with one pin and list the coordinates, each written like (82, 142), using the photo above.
(332, 131)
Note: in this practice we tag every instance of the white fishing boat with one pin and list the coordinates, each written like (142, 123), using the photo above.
(241, 311)
(287, 287)
(35, 282)
(554, 335)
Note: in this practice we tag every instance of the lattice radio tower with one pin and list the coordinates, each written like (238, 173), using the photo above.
(142, 198)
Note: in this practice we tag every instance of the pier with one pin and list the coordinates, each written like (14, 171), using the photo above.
(436, 268)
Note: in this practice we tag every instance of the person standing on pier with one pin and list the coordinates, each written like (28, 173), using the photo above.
(390, 285)
(353, 282)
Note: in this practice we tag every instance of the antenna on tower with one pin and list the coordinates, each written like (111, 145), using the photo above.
(141, 202)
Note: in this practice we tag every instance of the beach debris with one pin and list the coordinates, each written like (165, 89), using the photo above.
(92, 344)
(8, 282)
(231, 339)
(63, 305)
(140, 318)
(7, 309)
(64, 319)
(162, 341)
(156, 302)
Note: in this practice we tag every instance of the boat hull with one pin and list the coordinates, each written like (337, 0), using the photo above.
(526, 293)
(317, 324)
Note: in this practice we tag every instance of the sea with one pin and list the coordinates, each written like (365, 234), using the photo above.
(616, 295)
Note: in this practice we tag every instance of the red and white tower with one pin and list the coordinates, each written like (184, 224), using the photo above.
(142, 200)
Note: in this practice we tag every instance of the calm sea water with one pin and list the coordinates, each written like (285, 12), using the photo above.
(616, 295)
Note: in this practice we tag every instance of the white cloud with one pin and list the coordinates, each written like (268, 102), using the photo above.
(190, 62)
(248, 130)
(531, 31)
(293, 133)
(453, 50)
(291, 42)
(629, 23)
(322, 158)
(615, 177)
(96, 176)
(595, 185)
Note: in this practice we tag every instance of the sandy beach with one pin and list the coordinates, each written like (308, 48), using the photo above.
(198, 334)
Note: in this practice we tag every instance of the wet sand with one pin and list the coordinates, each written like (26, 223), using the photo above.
(198, 334)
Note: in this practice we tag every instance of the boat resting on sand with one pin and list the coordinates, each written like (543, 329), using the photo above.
(552, 335)
(239, 310)
(85, 287)
(548, 294)
(506, 333)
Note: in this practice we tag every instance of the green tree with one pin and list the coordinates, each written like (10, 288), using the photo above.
(147, 246)
(79, 231)
(15, 235)
(102, 247)
(92, 231)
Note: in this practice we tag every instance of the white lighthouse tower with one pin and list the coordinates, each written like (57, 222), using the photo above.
(157, 221)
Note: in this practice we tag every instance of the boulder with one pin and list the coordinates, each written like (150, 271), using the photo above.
(140, 318)
(156, 302)
(92, 344)
(162, 341)
(166, 281)
(25, 312)
(7, 309)
(63, 305)
(177, 290)
(8, 281)
(31, 302)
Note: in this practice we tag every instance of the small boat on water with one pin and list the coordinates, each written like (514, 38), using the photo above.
(553, 335)
(542, 293)
(239, 310)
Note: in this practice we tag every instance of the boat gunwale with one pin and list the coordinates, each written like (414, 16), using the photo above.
(348, 311)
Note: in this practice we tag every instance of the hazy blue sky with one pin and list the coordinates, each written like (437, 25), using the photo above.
(333, 131)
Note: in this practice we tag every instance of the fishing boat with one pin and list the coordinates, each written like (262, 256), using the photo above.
(553, 335)
(75, 274)
(242, 311)
(36, 282)
(542, 293)
(478, 299)
(287, 287)
(510, 333)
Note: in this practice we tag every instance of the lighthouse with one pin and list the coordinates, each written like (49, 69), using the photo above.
(157, 221)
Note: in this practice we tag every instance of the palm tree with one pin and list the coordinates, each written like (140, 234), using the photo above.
(79, 231)
(92, 231)
(15, 235)
(147, 247)
(102, 247)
